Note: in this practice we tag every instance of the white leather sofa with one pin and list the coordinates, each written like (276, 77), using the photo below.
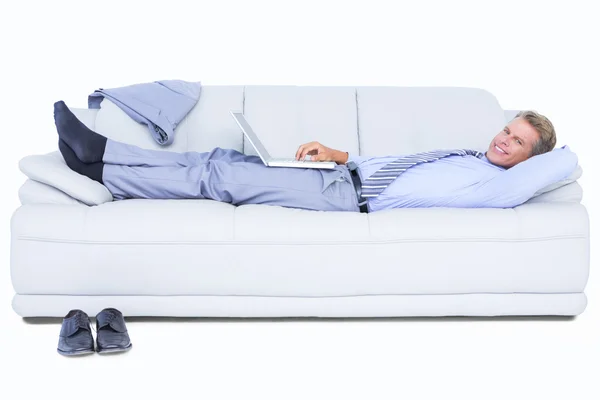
(74, 247)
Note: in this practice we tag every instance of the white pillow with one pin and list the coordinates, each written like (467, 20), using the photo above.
(570, 193)
(570, 179)
(52, 170)
(34, 192)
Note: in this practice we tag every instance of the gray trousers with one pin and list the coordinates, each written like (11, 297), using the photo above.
(224, 175)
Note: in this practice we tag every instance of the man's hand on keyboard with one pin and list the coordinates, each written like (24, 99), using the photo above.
(318, 152)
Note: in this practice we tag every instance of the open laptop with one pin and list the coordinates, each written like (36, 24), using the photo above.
(264, 154)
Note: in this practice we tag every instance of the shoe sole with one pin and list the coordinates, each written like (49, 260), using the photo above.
(115, 349)
(75, 352)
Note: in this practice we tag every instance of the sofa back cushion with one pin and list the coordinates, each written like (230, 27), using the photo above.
(285, 117)
(363, 120)
(405, 120)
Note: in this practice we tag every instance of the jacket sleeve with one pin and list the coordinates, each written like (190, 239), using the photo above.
(519, 183)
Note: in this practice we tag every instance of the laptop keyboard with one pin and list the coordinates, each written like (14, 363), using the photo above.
(291, 160)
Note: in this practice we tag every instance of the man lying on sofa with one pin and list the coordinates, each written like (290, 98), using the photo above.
(519, 161)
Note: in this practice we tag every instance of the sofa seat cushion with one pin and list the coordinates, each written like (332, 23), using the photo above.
(203, 247)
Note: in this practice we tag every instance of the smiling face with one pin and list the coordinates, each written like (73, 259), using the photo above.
(513, 144)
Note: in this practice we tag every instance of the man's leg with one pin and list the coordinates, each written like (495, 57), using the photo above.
(237, 183)
(85, 143)
(119, 153)
(222, 174)
(93, 170)
(254, 183)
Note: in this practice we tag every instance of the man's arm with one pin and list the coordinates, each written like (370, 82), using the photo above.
(319, 152)
(518, 184)
(347, 157)
(344, 157)
(341, 157)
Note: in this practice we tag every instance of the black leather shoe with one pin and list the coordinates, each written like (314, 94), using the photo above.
(75, 334)
(111, 333)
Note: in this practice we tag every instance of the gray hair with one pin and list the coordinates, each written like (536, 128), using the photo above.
(544, 128)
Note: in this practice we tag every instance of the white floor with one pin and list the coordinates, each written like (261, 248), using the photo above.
(492, 358)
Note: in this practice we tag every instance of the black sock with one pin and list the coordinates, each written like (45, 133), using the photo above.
(88, 145)
(93, 170)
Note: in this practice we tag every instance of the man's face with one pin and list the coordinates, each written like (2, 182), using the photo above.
(515, 143)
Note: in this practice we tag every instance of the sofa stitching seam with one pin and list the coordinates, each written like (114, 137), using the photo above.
(38, 239)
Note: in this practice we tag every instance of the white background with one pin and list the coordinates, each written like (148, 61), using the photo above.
(537, 55)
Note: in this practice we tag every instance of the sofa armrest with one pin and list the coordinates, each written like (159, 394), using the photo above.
(51, 169)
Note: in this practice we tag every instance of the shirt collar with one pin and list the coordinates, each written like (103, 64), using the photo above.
(485, 159)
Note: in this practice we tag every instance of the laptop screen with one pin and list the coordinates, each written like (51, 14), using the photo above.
(256, 143)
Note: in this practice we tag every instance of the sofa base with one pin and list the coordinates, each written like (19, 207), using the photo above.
(476, 304)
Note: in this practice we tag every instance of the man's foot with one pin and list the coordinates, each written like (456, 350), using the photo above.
(92, 171)
(88, 145)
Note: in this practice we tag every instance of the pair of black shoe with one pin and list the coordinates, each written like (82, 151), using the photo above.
(76, 333)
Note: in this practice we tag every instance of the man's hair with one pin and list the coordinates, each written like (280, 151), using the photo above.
(544, 127)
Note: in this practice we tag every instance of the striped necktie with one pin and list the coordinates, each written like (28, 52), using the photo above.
(376, 183)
